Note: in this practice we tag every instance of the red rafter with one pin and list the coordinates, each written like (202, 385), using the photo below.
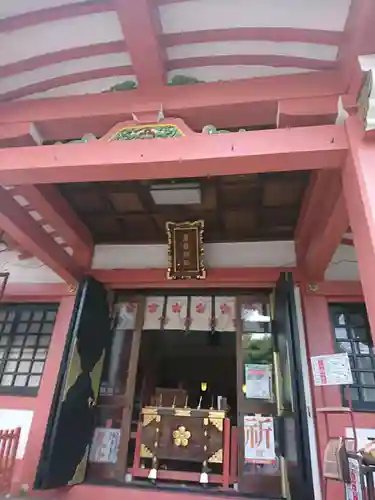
(53, 14)
(55, 210)
(63, 80)
(62, 56)
(250, 59)
(246, 34)
(23, 229)
(141, 28)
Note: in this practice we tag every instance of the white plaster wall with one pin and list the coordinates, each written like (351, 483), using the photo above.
(343, 265)
(257, 254)
(26, 271)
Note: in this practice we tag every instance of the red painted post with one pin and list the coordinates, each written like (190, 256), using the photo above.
(226, 454)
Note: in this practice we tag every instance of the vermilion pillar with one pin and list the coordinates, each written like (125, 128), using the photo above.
(359, 191)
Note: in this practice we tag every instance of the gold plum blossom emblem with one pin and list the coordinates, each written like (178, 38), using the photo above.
(181, 436)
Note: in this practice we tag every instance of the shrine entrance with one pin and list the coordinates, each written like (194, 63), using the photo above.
(197, 391)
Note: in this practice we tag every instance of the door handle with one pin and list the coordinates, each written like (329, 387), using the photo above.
(280, 434)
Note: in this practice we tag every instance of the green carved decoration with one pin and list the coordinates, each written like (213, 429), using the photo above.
(84, 139)
(155, 131)
(126, 85)
(211, 129)
(175, 81)
(183, 80)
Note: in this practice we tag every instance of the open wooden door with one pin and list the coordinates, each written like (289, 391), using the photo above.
(292, 429)
(71, 422)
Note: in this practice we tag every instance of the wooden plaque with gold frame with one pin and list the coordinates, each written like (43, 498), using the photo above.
(185, 250)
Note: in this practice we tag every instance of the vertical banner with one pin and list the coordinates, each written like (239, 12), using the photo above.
(259, 439)
(353, 490)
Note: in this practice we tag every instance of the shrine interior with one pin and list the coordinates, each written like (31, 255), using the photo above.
(186, 390)
(202, 364)
(192, 369)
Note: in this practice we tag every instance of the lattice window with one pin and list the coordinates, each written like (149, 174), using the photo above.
(352, 335)
(25, 335)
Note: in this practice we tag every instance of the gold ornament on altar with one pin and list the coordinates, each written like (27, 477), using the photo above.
(185, 250)
(181, 436)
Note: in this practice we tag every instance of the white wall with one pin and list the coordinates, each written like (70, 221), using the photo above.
(11, 419)
(26, 271)
(257, 254)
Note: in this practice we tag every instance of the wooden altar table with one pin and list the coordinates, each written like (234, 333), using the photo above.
(176, 435)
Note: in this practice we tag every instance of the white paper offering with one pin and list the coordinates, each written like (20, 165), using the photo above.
(153, 313)
(225, 314)
(176, 313)
(201, 314)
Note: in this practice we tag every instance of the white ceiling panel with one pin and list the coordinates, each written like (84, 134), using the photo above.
(292, 49)
(89, 87)
(226, 73)
(10, 8)
(59, 35)
(195, 15)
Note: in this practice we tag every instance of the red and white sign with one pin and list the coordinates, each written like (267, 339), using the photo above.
(259, 439)
(353, 490)
(332, 369)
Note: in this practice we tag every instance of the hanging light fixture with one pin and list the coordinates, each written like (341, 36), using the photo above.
(204, 386)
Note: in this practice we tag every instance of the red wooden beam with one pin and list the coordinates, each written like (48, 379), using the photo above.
(251, 60)
(51, 58)
(15, 221)
(216, 278)
(336, 290)
(19, 134)
(273, 34)
(313, 111)
(197, 155)
(37, 292)
(56, 211)
(69, 79)
(141, 27)
(322, 224)
(182, 101)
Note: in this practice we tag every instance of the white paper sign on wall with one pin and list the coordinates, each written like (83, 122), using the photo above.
(332, 369)
(104, 446)
(259, 439)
